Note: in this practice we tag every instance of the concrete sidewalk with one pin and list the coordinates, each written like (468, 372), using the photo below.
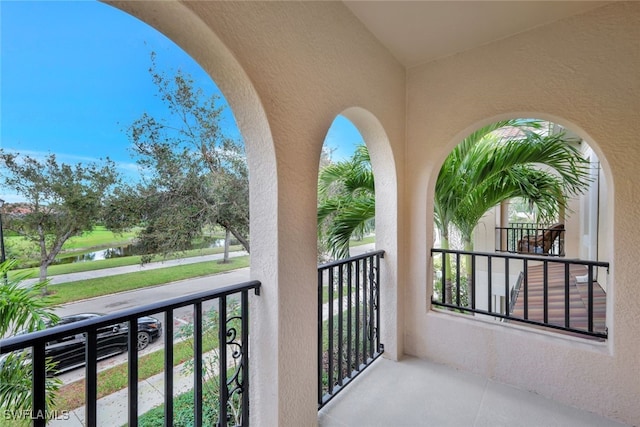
(113, 409)
(84, 275)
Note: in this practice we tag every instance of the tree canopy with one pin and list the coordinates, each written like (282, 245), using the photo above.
(194, 175)
(346, 202)
(62, 200)
(486, 168)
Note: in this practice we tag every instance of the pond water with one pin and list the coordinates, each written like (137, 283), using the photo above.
(129, 250)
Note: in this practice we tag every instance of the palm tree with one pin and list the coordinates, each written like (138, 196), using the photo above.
(22, 308)
(346, 204)
(449, 191)
(485, 170)
(544, 170)
(482, 171)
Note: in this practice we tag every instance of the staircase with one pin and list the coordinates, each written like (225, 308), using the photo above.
(578, 298)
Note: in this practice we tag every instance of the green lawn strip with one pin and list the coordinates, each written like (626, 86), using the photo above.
(336, 295)
(83, 289)
(71, 396)
(78, 267)
(363, 241)
(99, 236)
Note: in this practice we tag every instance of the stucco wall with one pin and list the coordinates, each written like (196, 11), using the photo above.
(582, 73)
(287, 70)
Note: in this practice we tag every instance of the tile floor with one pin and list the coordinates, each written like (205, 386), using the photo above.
(416, 392)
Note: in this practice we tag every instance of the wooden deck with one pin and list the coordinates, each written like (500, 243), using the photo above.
(578, 298)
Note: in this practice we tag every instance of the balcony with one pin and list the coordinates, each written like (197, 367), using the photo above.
(543, 292)
(526, 238)
(355, 385)
(415, 392)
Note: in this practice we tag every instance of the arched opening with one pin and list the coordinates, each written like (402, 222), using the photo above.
(346, 194)
(508, 264)
(253, 126)
(359, 293)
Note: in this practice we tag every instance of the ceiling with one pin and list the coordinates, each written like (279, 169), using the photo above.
(416, 32)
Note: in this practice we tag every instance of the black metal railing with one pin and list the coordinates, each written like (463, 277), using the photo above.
(348, 321)
(535, 239)
(232, 331)
(560, 294)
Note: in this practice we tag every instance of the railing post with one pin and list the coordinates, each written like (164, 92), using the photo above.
(330, 331)
(244, 309)
(197, 363)
(526, 289)
(458, 284)
(489, 283)
(39, 385)
(507, 299)
(590, 297)
(222, 362)
(567, 317)
(473, 282)
(168, 367)
(545, 290)
(340, 324)
(320, 333)
(377, 302)
(91, 383)
(357, 326)
(349, 362)
(445, 259)
(133, 371)
(365, 319)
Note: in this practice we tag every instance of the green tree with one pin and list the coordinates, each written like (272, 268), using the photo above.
(63, 200)
(543, 170)
(195, 176)
(482, 171)
(22, 308)
(448, 193)
(346, 201)
(486, 169)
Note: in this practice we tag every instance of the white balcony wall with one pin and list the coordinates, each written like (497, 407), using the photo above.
(580, 72)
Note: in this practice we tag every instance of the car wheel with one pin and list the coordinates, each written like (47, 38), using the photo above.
(143, 340)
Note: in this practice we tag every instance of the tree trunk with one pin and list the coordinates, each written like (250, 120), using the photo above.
(43, 271)
(468, 247)
(43, 276)
(227, 238)
(448, 284)
(244, 242)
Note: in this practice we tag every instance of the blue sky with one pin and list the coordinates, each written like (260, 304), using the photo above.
(74, 75)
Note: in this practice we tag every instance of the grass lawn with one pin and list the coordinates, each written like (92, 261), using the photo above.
(71, 396)
(364, 241)
(97, 237)
(83, 289)
(115, 262)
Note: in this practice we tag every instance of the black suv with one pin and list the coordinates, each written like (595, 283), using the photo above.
(69, 352)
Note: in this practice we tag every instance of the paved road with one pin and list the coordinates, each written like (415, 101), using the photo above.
(123, 300)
